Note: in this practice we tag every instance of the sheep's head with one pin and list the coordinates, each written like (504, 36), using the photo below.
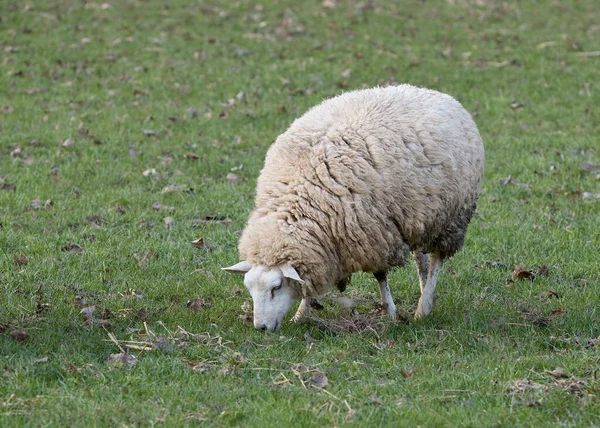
(273, 289)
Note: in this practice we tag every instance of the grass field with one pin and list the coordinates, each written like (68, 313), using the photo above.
(129, 129)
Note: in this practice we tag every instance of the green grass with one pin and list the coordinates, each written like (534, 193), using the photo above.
(118, 71)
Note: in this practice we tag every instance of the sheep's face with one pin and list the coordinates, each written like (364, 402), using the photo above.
(273, 292)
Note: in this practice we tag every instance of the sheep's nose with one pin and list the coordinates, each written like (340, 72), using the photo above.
(262, 327)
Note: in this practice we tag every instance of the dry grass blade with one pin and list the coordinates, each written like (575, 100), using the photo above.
(113, 339)
(355, 323)
(122, 360)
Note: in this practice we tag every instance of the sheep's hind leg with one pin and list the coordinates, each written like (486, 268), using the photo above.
(303, 310)
(426, 301)
(422, 262)
(386, 295)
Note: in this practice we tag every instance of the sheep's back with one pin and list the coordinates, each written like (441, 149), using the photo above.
(387, 170)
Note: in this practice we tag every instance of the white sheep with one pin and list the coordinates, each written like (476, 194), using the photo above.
(355, 184)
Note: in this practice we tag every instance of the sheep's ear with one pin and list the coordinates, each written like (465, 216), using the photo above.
(289, 272)
(241, 268)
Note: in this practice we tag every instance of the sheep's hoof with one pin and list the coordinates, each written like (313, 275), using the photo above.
(388, 309)
(423, 310)
(391, 314)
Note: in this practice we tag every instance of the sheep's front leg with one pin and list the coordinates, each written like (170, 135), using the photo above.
(386, 295)
(422, 262)
(303, 310)
(426, 301)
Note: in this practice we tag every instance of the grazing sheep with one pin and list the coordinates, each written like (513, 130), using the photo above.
(355, 184)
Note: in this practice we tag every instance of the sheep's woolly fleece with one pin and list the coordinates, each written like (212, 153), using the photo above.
(363, 178)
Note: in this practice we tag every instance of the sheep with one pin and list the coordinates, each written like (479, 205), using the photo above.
(356, 184)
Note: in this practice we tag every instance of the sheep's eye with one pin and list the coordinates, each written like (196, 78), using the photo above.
(277, 287)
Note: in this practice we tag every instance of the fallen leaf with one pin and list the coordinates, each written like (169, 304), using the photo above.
(589, 166)
(515, 105)
(20, 260)
(525, 385)
(94, 219)
(142, 314)
(144, 258)
(247, 317)
(198, 243)
(34, 90)
(72, 367)
(19, 335)
(9, 187)
(406, 373)
(133, 294)
(573, 385)
(558, 373)
(375, 399)
(170, 188)
(232, 178)
(169, 221)
(494, 264)
(534, 318)
(224, 371)
(80, 302)
(16, 153)
(73, 248)
(196, 304)
(346, 73)
(552, 293)
(197, 366)
(148, 132)
(210, 219)
(521, 273)
(88, 314)
(150, 171)
(592, 342)
(510, 180)
(161, 343)
(238, 358)
(67, 143)
(41, 308)
(122, 360)
(158, 207)
(41, 360)
(318, 380)
(165, 160)
(191, 156)
(557, 312)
